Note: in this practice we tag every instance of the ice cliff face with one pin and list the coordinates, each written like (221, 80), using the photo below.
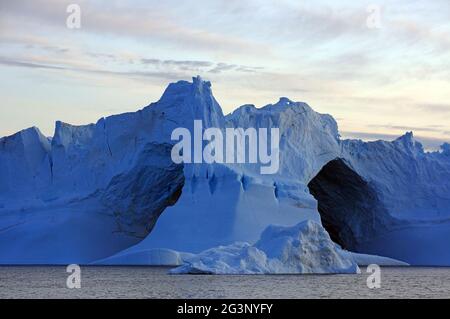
(89, 193)
(412, 187)
(110, 189)
(24, 163)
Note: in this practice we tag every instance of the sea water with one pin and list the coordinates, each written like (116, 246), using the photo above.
(154, 282)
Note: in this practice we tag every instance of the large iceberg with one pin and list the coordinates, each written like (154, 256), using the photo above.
(105, 191)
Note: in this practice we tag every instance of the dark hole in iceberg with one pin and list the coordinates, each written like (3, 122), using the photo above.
(348, 205)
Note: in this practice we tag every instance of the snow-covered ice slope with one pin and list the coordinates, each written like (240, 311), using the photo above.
(96, 191)
(366, 260)
(148, 257)
(305, 248)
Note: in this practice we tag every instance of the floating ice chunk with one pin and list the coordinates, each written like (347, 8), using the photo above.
(305, 248)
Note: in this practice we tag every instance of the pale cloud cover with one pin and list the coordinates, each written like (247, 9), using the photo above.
(378, 82)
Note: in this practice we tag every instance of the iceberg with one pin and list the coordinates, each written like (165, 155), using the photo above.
(305, 248)
(109, 192)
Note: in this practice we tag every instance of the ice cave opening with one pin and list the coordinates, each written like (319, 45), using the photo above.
(348, 205)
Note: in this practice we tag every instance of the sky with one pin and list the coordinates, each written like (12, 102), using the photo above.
(381, 68)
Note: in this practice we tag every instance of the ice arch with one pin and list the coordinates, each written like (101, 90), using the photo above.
(349, 206)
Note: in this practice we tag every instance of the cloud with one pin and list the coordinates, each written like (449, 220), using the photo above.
(234, 26)
(153, 74)
(439, 108)
(97, 55)
(185, 65)
(224, 67)
(31, 65)
(221, 67)
(255, 50)
(413, 32)
(435, 129)
(162, 69)
(144, 21)
(199, 66)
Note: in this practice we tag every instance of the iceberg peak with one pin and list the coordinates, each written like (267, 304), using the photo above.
(30, 130)
(285, 104)
(185, 88)
(183, 102)
(26, 138)
(284, 100)
(409, 142)
(200, 83)
(66, 134)
(408, 136)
